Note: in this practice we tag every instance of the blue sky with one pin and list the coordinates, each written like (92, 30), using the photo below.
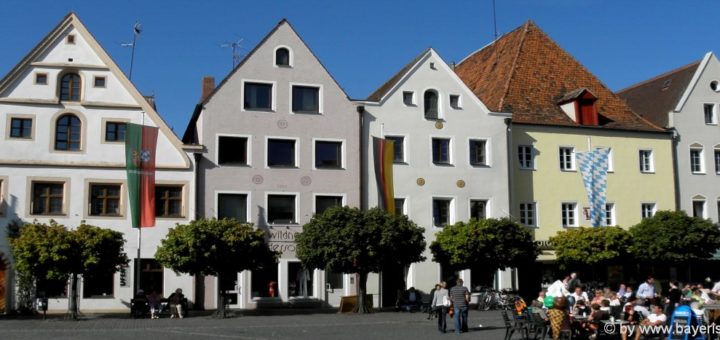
(363, 43)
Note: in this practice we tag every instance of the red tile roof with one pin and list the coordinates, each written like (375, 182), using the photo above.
(525, 73)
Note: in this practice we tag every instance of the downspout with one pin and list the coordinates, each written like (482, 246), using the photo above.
(198, 158)
(361, 111)
(508, 136)
(676, 179)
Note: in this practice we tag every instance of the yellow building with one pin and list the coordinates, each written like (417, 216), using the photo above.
(560, 109)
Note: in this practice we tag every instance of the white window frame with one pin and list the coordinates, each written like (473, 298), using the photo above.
(701, 159)
(405, 147)
(290, 57)
(612, 212)
(343, 143)
(38, 74)
(297, 151)
(532, 157)
(610, 163)
(451, 160)
(488, 155)
(267, 205)
(524, 215)
(716, 159)
(651, 161)
(321, 106)
(704, 207)
(413, 98)
(451, 213)
(440, 115)
(487, 206)
(248, 146)
(459, 101)
(405, 210)
(574, 212)
(95, 79)
(248, 201)
(572, 167)
(315, 195)
(713, 115)
(273, 100)
(653, 209)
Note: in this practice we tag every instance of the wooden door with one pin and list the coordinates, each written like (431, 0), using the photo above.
(3, 283)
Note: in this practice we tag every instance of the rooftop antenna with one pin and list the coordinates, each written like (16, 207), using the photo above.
(137, 28)
(494, 21)
(235, 46)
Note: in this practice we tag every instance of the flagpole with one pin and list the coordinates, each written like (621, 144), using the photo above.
(139, 258)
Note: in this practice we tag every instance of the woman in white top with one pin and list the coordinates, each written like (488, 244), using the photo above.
(441, 303)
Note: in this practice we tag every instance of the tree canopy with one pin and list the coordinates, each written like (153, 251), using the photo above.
(591, 245)
(348, 240)
(489, 243)
(673, 236)
(215, 247)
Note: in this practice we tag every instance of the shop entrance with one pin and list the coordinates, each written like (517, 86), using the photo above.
(229, 285)
(334, 287)
(300, 283)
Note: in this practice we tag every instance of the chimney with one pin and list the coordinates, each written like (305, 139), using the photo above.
(208, 85)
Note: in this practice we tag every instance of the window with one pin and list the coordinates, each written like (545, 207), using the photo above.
(70, 87)
(233, 206)
(67, 133)
(431, 104)
(98, 286)
(306, 99)
(99, 81)
(646, 161)
(323, 203)
(409, 98)
(400, 206)
(717, 161)
(698, 208)
(328, 155)
(51, 288)
(232, 150)
(281, 209)
(567, 159)
(281, 152)
(115, 131)
(441, 150)
(455, 101)
(257, 96)
(696, 161)
(718, 207)
(527, 214)
(47, 198)
(710, 114)
(647, 210)
(441, 211)
(478, 209)
(105, 200)
(569, 214)
(609, 214)
(282, 57)
(41, 78)
(478, 152)
(168, 201)
(398, 147)
(71, 39)
(21, 128)
(525, 157)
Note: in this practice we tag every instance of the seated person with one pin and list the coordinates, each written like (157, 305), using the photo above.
(639, 306)
(580, 309)
(538, 308)
(176, 300)
(632, 318)
(656, 318)
(558, 317)
(605, 306)
(413, 299)
(614, 300)
(593, 322)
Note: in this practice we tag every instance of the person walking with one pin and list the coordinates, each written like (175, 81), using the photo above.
(432, 312)
(460, 297)
(440, 304)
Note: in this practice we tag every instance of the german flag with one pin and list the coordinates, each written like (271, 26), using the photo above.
(383, 152)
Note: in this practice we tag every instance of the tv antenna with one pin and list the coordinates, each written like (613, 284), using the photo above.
(137, 29)
(235, 47)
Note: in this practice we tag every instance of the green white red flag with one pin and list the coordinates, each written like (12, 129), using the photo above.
(140, 145)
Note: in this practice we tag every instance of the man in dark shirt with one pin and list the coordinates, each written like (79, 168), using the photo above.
(460, 297)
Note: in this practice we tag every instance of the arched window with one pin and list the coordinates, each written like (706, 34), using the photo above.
(282, 57)
(431, 104)
(70, 87)
(68, 133)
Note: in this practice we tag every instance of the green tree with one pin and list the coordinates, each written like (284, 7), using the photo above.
(215, 247)
(491, 244)
(592, 246)
(348, 240)
(52, 252)
(673, 236)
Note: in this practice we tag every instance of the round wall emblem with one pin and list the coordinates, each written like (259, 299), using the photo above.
(438, 125)
(420, 181)
(460, 183)
(257, 179)
(306, 180)
(282, 123)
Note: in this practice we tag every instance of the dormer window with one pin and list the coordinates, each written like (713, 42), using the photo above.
(431, 104)
(70, 87)
(579, 105)
(282, 57)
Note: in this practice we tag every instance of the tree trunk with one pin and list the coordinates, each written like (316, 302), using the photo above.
(221, 312)
(361, 307)
(72, 301)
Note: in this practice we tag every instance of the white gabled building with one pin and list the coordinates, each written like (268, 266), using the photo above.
(450, 161)
(63, 110)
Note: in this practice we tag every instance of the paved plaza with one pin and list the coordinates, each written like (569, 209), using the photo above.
(386, 325)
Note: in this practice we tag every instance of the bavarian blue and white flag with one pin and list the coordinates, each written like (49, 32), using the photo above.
(593, 167)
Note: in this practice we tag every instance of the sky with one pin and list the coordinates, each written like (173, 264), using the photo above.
(363, 43)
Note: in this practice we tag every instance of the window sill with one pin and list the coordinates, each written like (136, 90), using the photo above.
(698, 173)
(568, 170)
(170, 217)
(307, 112)
(20, 138)
(434, 119)
(107, 297)
(283, 167)
(106, 216)
(49, 215)
(647, 172)
(480, 165)
(273, 224)
(329, 168)
(444, 164)
(239, 165)
(258, 109)
(528, 169)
